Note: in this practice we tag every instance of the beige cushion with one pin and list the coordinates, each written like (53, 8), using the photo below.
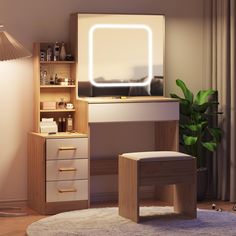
(157, 156)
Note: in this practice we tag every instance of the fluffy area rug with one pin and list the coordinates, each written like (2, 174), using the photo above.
(107, 222)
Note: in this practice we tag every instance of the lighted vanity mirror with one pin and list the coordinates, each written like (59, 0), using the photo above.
(120, 50)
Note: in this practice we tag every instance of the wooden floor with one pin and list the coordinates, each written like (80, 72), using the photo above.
(16, 226)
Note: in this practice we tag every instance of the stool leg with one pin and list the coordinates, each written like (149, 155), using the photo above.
(128, 189)
(185, 199)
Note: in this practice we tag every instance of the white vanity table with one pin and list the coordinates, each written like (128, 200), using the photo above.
(105, 111)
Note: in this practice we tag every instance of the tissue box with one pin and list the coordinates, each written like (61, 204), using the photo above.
(48, 127)
(48, 105)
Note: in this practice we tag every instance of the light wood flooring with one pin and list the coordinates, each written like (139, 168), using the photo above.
(16, 226)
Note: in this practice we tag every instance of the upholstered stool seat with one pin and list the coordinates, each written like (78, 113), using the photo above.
(157, 168)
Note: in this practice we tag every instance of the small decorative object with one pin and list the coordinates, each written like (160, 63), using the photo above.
(48, 105)
(43, 77)
(61, 104)
(42, 55)
(52, 80)
(219, 209)
(56, 52)
(69, 57)
(213, 206)
(69, 106)
(62, 81)
(71, 82)
(63, 52)
(49, 53)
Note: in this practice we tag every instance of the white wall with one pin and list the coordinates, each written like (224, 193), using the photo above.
(30, 21)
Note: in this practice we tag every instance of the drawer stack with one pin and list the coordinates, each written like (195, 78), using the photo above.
(58, 172)
(66, 169)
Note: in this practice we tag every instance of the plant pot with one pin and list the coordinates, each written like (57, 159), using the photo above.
(202, 179)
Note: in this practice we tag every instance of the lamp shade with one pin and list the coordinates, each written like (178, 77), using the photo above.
(10, 48)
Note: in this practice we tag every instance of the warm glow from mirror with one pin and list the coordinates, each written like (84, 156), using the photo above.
(137, 31)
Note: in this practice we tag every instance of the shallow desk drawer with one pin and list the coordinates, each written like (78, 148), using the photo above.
(58, 191)
(67, 169)
(131, 112)
(67, 148)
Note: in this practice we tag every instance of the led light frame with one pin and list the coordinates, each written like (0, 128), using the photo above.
(120, 26)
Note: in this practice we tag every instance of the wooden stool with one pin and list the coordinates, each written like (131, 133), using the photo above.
(157, 168)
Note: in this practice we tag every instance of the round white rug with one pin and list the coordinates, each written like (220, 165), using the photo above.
(107, 222)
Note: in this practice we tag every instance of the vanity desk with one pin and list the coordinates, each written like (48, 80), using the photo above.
(68, 170)
(99, 115)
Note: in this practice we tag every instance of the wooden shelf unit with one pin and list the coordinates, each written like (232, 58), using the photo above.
(53, 93)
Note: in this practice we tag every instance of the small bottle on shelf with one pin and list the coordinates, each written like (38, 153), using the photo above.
(56, 52)
(69, 123)
(56, 79)
(49, 53)
(63, 124)
(60, 125)
(63, 52)
(43, 77)
(52, 80)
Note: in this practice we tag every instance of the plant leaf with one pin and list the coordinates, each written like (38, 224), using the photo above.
(211, 146)
(216, 134)
(185, 107)
(197, 127)
(187, 93)
(173, 95)
(189, 140)
(203, 107)
(203, 96)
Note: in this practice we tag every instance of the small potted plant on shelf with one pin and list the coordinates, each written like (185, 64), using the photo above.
(197, 133)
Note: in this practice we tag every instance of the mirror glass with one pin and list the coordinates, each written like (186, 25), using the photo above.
(120, 50)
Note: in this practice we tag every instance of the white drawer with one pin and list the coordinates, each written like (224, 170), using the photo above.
(67, 148)
(67, 169)
(125, 112)
(58, 191)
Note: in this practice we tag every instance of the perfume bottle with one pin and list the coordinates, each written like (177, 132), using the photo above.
(60, 127)
(63, 124)
(43, 77)
(69, 123)
(56, 52)
(49, 53)
(63, 52)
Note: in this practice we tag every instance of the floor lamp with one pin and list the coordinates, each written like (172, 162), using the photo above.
(11, 49)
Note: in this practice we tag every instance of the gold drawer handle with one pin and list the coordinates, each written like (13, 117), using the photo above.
(67, 190)
(67, 148)
(67, 169)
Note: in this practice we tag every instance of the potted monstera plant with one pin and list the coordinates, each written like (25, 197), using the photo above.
(197, 133)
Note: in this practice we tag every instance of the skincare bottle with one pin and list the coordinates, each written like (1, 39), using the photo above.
(56, 52)
(60, 128)
(49, 53)
(63, 124)
(63, 52)
(69, 124)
